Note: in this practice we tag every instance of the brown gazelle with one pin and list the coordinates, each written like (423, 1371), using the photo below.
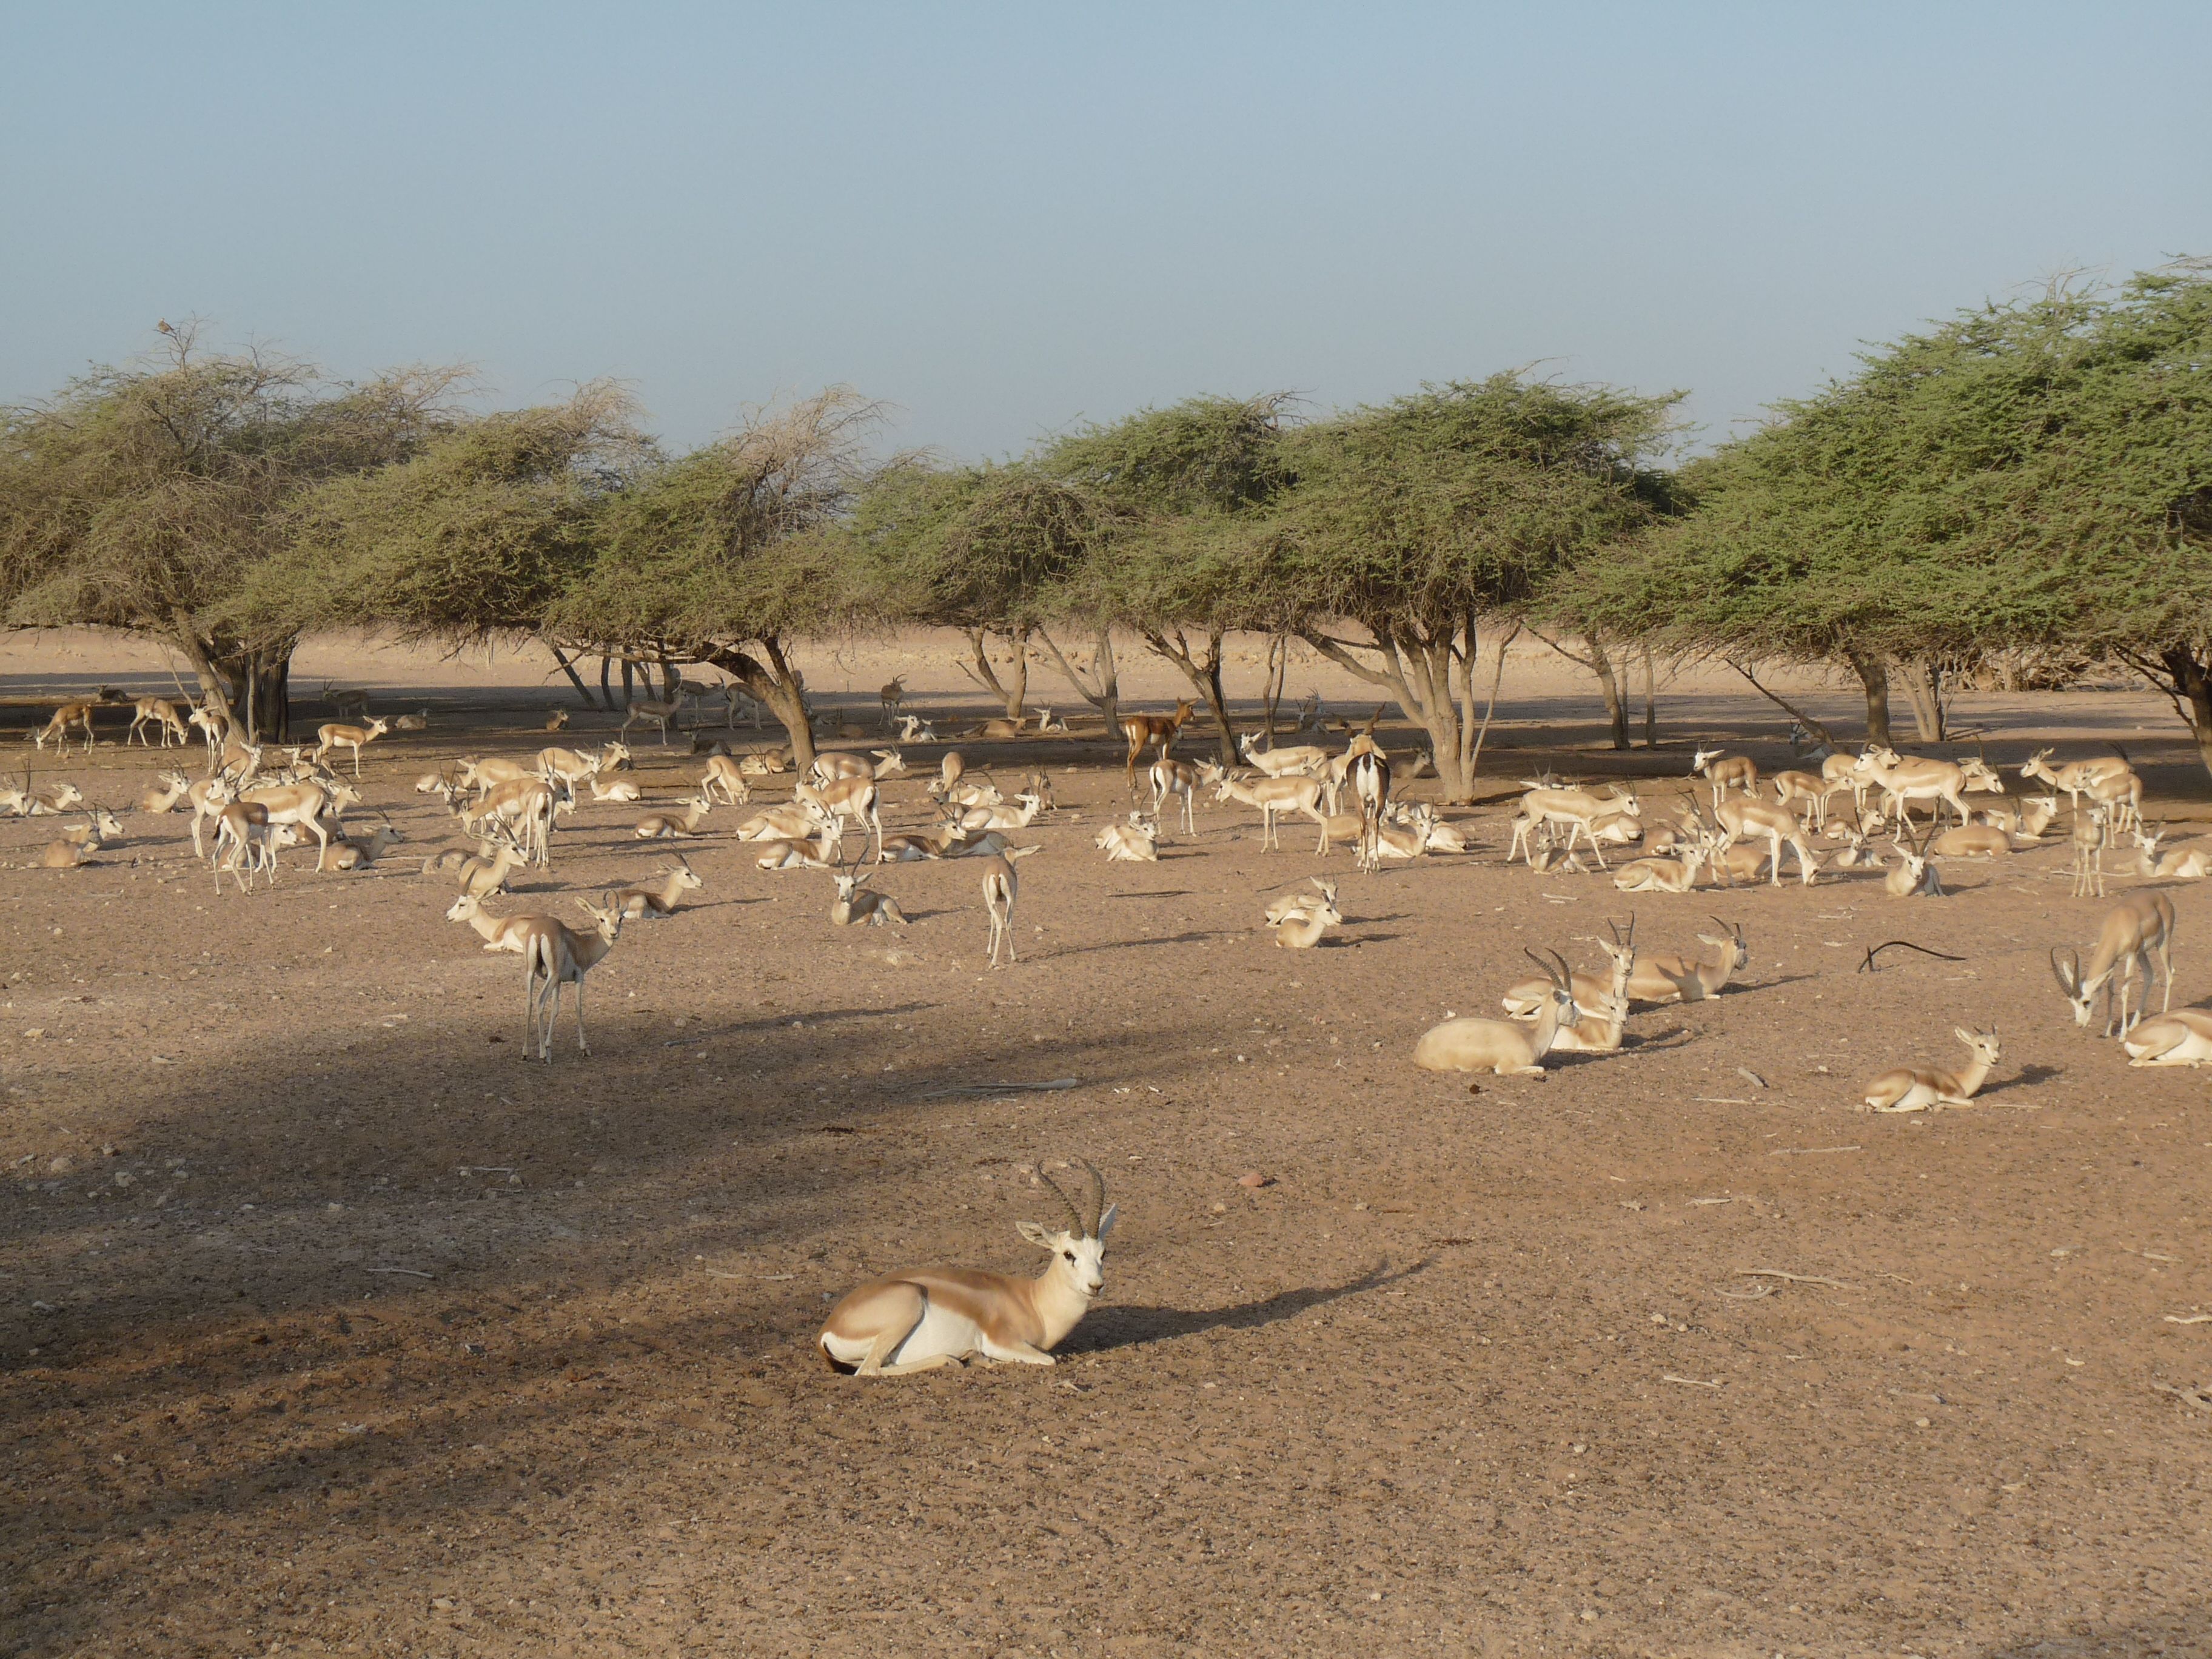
(2136, 931)
(1525, 999)
(1499, 1046)
(1726, 772)
(1001, 887)
(2182, 1039)
(158, 711)
(57, 729)
(1670, 976)
(859, 905)
(1909, 1090)
(1139, 729)
(335, 736)
(556, 955)
(654, 903)
(920, 1318)
(1301, 928)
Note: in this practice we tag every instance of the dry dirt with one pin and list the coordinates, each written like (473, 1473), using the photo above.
(327, 1324)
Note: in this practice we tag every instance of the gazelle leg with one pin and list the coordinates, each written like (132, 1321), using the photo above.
(582, 1046)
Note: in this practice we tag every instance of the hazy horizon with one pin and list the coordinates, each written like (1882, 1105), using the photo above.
(1003, 223)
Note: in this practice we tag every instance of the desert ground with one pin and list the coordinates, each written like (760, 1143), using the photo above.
(329, 1325)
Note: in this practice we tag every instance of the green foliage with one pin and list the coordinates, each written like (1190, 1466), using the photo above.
(973, 547)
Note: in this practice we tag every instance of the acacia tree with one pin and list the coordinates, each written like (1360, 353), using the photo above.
(1409, 523)
(727, 555)
(476, 536)
(141, 498)
(1173, 478)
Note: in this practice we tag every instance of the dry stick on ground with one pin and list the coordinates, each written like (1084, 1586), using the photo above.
(1869, 967)
(980, 1089)
(1794, 1278)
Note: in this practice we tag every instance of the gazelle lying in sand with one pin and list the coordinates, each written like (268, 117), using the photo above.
(1498, 1045)
(1525, 999)
(1907, 1090)
(1300, 920)
(920, 1318)
(1678, 874)
(859, 905)
(1668, 976)
(2182, 1039)
(1133, 843)
(652, 903)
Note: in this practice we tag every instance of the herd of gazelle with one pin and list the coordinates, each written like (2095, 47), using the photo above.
(918, 1319)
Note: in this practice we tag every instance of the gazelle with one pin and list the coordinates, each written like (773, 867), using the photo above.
(724, 774)
(2183, 864)
(303, 805)
(1133, 843)
(1139, 730)
(251, 838)
(912, 728)
(920, 1318)
(96, 831)
(419, 721)
(487, 774)
(1725, 772)
(1577, 809)
(157, 712)
(57, 729)
(1600, 1024)
(528, 808)
(1301, 929)
(335, 736)
(1525, 999)
(1368, 773)
(856, 799)
(972, 792)
(1049, 723)
(344, 701)
(796, 853)
(498, 932)
(909, 850)
(1281, 762)
(2089, 839)
(355, 853)
(556, 955)
(1001, 887)
(210, 723)
(892, 694)
(556, 719)
(1747, 817)
(622, 791)
(830, 765)
(1668, 976)
(1913, 875)
(1292, 904)
(659, 712)
(951, 768)
(2182, 1039)
(1678, 874)
(2073, 779)
(1498, 1046)
(2142, 858)
(654, 903)
(1815, 789)
(486, 873)
(2136, 931)
(172, 787)
(1273, 796)
(1904, 781)
(786, 821)
(569, 767)
(1019, 815)
(1175, 780)
(2120, 793)
(859, 905)
(675, 826)
(1908, 1090)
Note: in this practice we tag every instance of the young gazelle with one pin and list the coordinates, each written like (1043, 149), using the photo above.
(1726, 772)
(654, 903)
(621, 791)
(1678, 874)
(498, 932)
(675, 826)
(360, 852)
(1019, 815)
(1909, 1090)
(487, 871)
(859, 905)
(2136, 930)
(1669, 976)
(556, 955)
(796, 853)
(1972, 841)
(2183, 864)
(158, 711)
(335, 736)
(163, 795)
(920, 1318)
(57, 729)
(1301, 928)
(1499, 1046)
(1292, 904)
(2089, 839)
(1001, 887)
(1133, 843)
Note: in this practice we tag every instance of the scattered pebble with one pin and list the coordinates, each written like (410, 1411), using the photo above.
(1254, 1179)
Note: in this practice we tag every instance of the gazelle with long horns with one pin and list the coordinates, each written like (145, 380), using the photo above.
(920, 1318)
(1498, 1046)
(2136, 933)
(1665, 976)
(1525, 999)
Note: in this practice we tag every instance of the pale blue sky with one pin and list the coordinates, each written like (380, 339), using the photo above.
(1005, 218)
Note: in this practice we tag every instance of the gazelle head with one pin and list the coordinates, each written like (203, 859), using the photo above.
(2036, 765)
(2066, 967)
(687, 879)
(614, 755)
(606, 915)
(848, 887)
(377, 727)
(889, 762)
(463, 908)
(1735, 937)
(1983, 1043)
(1079, 1250)
(341, 793)
(1703, 758)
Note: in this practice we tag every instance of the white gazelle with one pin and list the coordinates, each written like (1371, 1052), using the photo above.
(920, 1318)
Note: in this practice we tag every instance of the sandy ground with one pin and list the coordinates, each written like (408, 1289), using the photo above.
(329, 1325)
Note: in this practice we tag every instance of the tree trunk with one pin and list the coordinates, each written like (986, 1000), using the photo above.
(776, 686)
(1650, 703)
(1204, 673)
(583, 691)
(1100, 686)
(606, 689)
(1422, 671)
(2193, 695)
(1278, 666)
(1924, 685)
(1873, 675)
(1608, 685)
(1013, 690)
(214, 690)
(261, 691)
(629, 682)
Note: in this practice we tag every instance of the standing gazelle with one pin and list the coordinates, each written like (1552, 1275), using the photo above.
(920, 1318)
(2136, 930)
(1001, 887)
(335, 736)
(556, 955)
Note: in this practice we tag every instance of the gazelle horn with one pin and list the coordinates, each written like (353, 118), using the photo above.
(1073, 1214)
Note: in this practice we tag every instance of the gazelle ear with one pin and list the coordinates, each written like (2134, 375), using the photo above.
(1036, 1233)
(1106, 1221)
(1965, 1035)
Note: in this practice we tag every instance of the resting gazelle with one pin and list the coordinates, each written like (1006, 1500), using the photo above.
(921, 1318)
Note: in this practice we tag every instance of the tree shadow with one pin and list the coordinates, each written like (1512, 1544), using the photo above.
(1192, 937)
(1127, 1325)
